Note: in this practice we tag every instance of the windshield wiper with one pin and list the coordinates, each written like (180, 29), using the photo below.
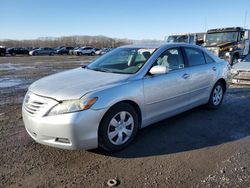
(101, 69)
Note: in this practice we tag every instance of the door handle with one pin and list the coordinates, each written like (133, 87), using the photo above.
(185, 76)
(214, 68)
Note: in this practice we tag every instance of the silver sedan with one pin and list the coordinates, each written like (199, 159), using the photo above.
(105, 103)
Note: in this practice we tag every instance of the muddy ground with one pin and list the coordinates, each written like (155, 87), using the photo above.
(198, 148)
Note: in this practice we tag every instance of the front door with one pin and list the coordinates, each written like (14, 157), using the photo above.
(166, 94)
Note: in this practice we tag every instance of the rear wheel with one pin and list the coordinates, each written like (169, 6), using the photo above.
(216, 96)
(118, 127)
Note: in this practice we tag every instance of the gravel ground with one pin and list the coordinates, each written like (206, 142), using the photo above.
(198, 148)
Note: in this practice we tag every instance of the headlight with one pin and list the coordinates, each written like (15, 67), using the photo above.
(72, 106)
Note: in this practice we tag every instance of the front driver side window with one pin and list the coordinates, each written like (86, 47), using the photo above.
(171, 58)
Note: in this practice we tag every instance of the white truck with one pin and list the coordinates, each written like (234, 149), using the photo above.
(191, 38)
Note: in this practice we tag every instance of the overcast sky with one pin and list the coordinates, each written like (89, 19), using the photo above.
(134, 19)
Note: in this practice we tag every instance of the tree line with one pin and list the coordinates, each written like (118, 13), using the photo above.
(70, 41)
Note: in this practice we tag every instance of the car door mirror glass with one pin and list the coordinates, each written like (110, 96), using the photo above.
(158, 69)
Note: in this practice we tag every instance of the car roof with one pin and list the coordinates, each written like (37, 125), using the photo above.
(159, 45)
(172, 45)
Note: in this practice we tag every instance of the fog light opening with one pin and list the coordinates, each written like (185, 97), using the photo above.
(34, 134)
(63, 140)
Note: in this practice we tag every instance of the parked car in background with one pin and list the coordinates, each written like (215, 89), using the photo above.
(71, 52)
(64, 50)
(97, 51)
(42, 51)
(85, 51)
(58, 48)
(105, 50)
(106, 103)
(2, 50)
(18, 51)
(241, 71)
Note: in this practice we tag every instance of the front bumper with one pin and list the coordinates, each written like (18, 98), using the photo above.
(77, 130)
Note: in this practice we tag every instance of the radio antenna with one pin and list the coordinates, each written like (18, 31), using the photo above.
(205, 24)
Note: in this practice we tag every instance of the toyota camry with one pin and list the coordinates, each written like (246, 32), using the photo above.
(107, 102)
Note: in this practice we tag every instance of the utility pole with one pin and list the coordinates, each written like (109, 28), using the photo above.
(245, 19)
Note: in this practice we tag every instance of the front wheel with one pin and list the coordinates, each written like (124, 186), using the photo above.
(216, 96)
(118, 127)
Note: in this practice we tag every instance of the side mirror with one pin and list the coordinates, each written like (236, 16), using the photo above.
(158, 69)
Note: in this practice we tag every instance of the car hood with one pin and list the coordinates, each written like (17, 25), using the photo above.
(73, 84)
(242, 66)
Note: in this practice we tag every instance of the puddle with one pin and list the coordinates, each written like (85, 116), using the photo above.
(9, 82)
(16, 67)
(13, 82)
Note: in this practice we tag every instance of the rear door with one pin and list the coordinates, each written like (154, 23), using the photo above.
(202, 72)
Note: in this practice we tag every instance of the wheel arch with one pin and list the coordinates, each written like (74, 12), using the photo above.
(131, 103)
(224, 83)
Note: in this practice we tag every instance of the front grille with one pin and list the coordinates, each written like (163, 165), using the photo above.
(34, 107)
(37, 105)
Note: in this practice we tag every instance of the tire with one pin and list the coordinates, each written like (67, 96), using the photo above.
(216, 96)
(92, 53)
(119, 119)
(35, 54)
(51, 54)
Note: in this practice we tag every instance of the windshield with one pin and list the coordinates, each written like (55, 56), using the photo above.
(225, 37)
(181, 38)
(122, 60)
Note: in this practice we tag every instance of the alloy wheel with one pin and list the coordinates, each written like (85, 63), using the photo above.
(217, 95)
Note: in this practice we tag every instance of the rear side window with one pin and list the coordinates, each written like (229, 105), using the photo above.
(194, 56)
(208, 58)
